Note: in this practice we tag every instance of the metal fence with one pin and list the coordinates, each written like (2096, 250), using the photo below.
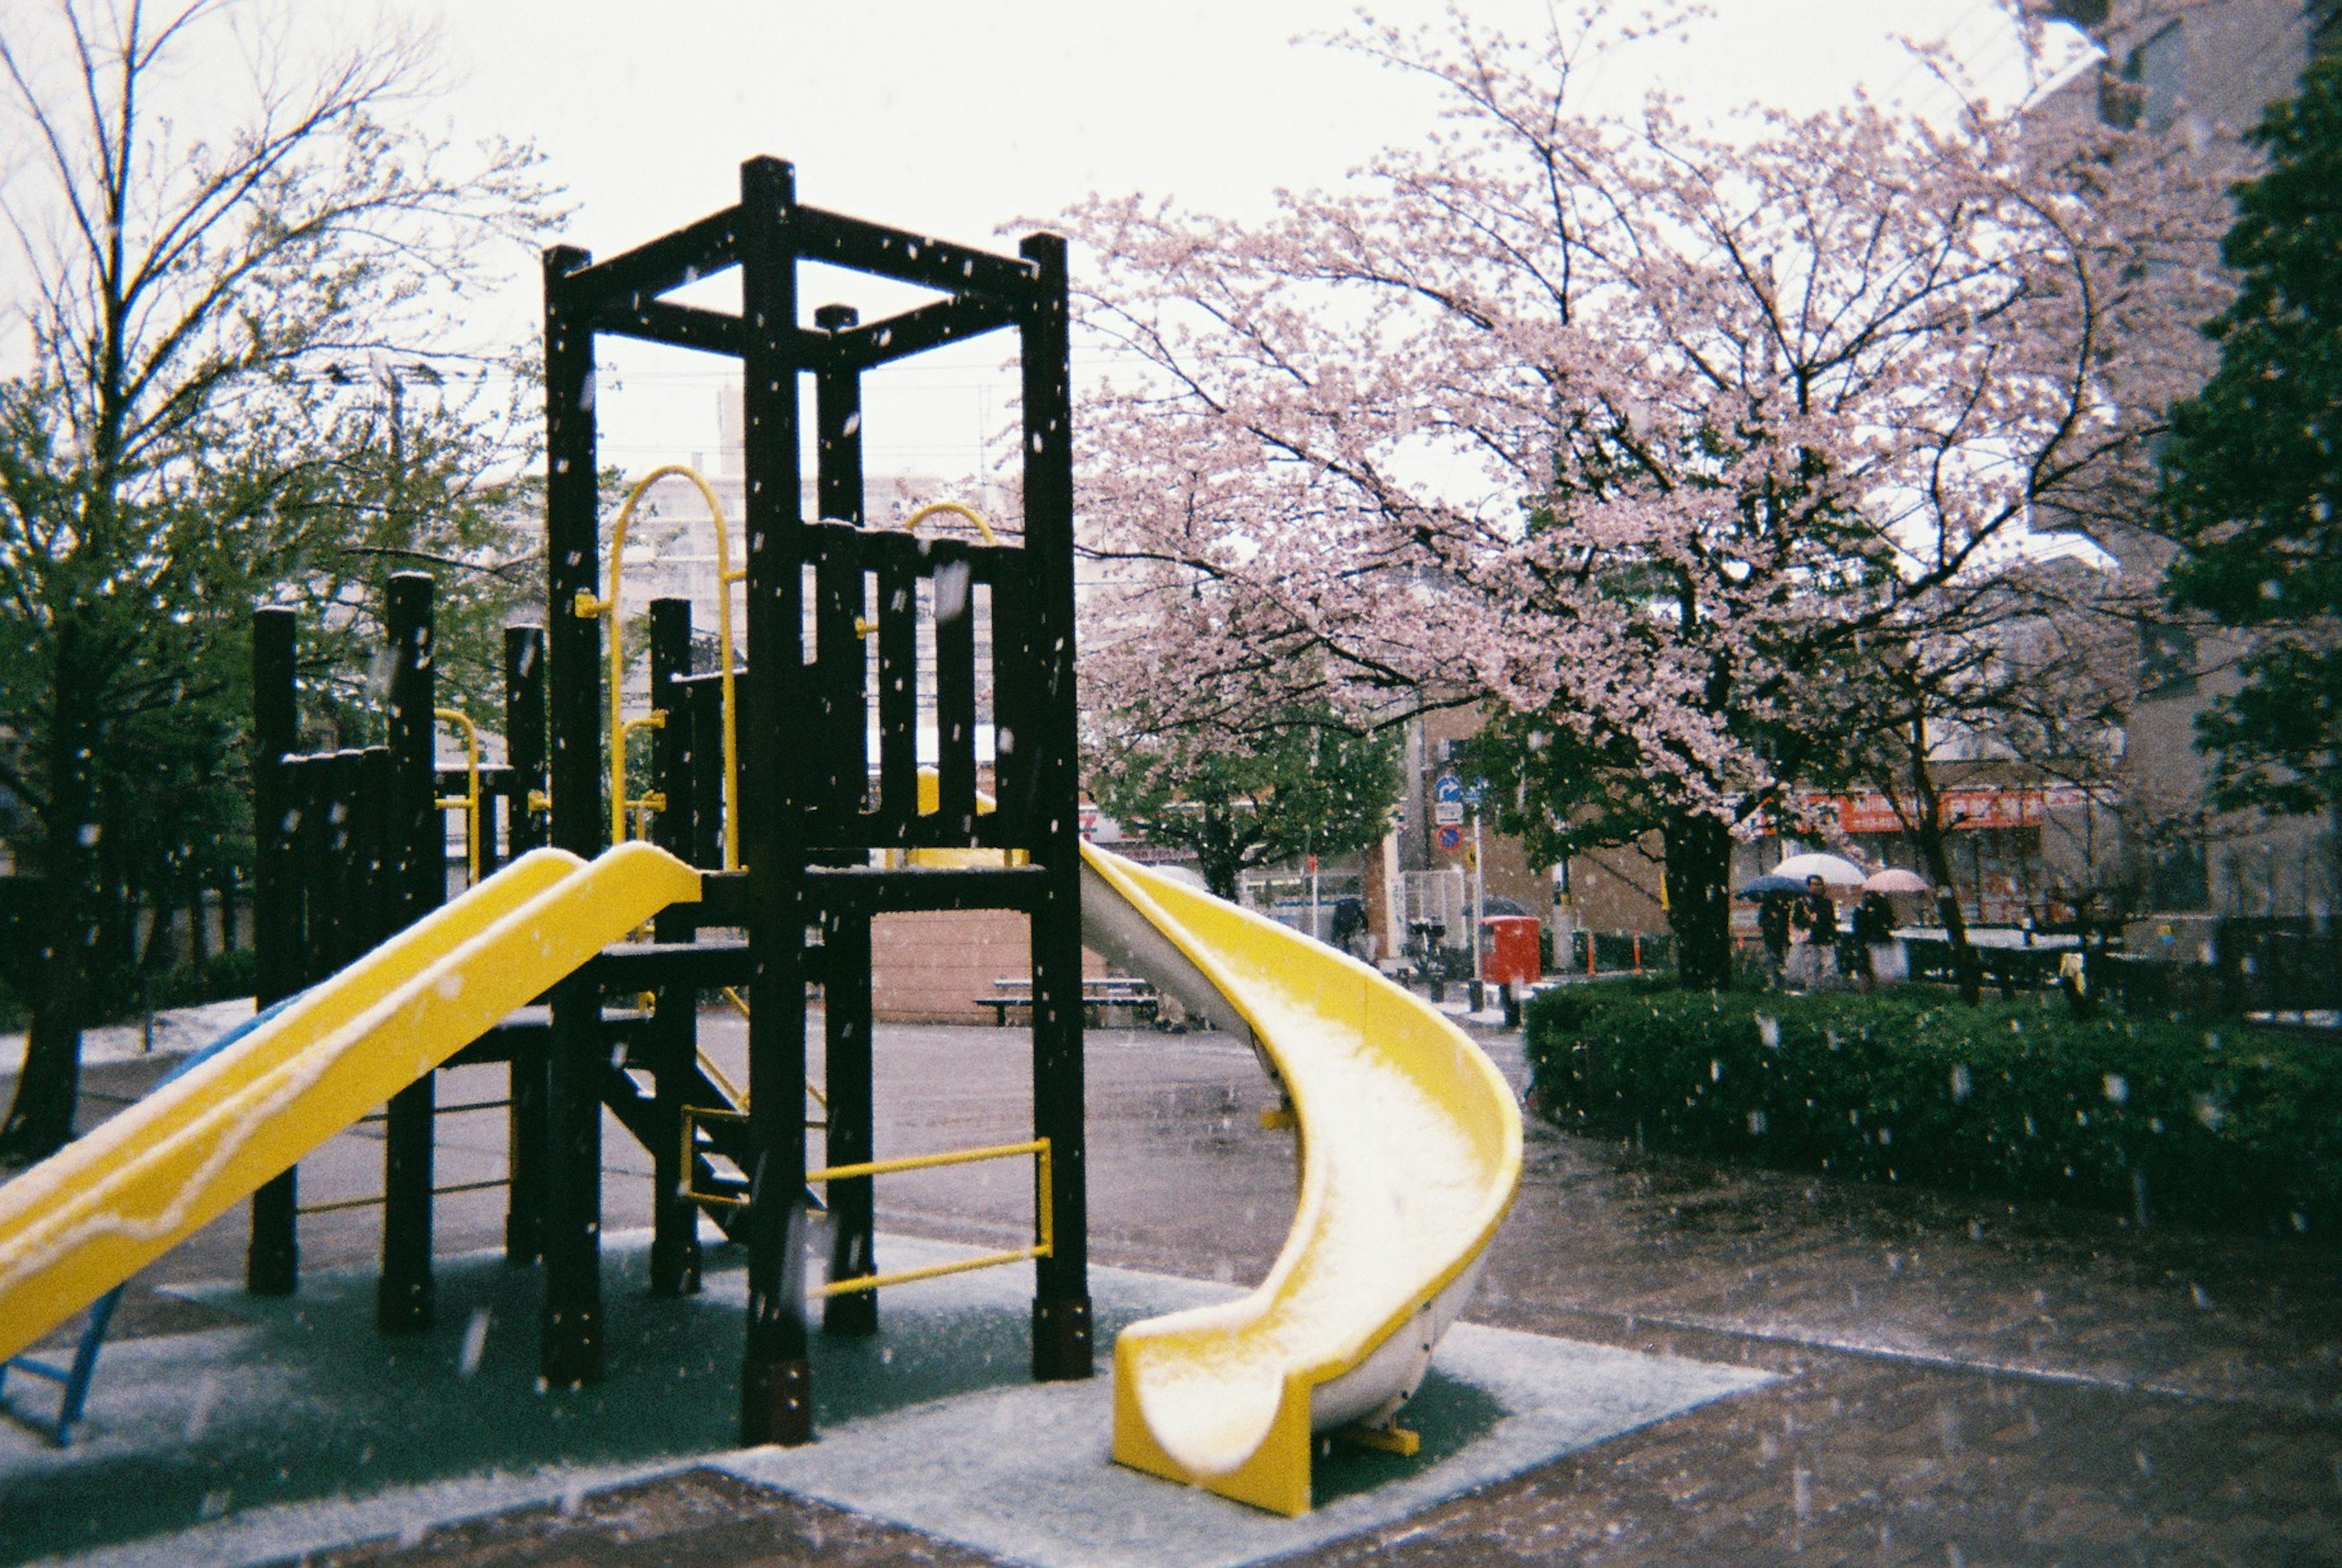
(1443, 897)
(2272, 970)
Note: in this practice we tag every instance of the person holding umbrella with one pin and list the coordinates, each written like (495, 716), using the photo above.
(1772, 928)
(1813, 924)
(1874, 922)
(1777, 898)
(1873, 932)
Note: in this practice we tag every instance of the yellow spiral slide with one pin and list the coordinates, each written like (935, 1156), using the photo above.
(88, 1217)
(1410, 1153)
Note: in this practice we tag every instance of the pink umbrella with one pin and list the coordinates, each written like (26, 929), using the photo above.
(1895, 879)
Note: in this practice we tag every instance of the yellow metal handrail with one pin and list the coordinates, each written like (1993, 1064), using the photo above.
(469, 801)
(1045, 1226)
(642, 804)
(588, 607)
(740, 1096)
(1043, 1212)
(732, 1092)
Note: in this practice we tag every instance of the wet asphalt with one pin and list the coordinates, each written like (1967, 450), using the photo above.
(1964, 1381)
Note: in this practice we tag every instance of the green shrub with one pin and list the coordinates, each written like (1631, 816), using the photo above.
(220, 977)
(2018, 1099)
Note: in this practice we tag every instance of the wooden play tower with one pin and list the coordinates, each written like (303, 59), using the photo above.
(829, 819)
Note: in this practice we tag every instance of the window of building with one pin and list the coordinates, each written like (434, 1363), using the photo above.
(2177, 883)
(2167, 660)
(2159, 67)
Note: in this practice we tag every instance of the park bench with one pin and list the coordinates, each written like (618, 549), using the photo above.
(1103, 1001)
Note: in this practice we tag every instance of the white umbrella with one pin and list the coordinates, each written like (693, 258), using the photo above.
(1895, 879)
(1835, 870)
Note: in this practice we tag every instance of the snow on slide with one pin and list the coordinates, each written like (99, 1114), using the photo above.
(88, 1218)
(1410, 1153)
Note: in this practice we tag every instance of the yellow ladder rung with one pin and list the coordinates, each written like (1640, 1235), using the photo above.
(1044, 1207)
(927, 1162)
(931, 1271)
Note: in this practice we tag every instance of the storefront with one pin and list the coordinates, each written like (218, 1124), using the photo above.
(2017, 852)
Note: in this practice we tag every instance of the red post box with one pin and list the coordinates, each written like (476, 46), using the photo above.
(1508, 949)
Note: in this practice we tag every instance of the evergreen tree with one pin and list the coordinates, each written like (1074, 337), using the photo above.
(197, 267)
(2252, 471)
(1306, 785)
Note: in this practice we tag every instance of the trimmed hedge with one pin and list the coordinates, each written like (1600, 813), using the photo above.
(2015, 1099)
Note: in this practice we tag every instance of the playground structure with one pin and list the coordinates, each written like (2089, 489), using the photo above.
(790, 810)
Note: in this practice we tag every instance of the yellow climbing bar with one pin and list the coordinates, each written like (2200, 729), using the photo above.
(929, 1162)
(928, 1272)
(588, 607)
(469, 801)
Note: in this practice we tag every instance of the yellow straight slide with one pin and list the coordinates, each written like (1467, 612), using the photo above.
(1410, 1153)
(88, 1218)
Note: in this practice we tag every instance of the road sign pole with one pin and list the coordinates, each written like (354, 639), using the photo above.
(1479, 902)
(1313, 899)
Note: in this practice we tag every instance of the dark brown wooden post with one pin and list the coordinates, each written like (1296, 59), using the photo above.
(524, 830)
(572, 1323)
(526, 823)
(844, 661)
(775, 1379)
(272, 1264)
(674, 1038)
(1061, 1300)
(415, 845)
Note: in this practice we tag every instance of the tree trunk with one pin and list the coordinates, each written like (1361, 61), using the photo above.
(1222, 847)
(1218, 865)
(1699, 908)
(158, 953)
(40, 1121)
(2334, 849)
(200, 936)
(1928, 828)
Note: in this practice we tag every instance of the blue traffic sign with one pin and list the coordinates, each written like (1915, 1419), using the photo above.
(1447, 787)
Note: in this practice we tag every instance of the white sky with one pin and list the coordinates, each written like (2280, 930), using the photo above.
(960, 119)
(972, 119)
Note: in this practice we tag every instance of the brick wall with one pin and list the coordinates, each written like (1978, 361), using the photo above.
(929, 968)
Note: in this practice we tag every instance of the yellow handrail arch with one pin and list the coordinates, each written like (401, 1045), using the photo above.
(868, 628)
(589, 608)
(957, 509)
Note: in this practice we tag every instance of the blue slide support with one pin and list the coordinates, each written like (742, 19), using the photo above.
(76, 1376)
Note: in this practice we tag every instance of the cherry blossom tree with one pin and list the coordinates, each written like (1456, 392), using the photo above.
(1641, 430)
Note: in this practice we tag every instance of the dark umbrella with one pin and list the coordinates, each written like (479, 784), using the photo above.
(1770, 883)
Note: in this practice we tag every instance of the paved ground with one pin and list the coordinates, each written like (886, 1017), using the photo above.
(1964, 1383)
